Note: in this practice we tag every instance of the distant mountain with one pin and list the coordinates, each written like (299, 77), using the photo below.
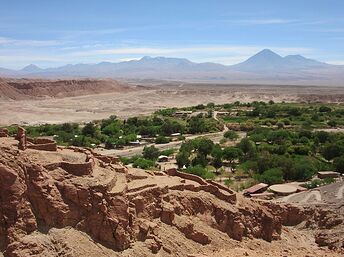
(267, 60)
(31, 69)
(263, 67)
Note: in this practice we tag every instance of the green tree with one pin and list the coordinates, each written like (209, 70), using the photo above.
(204, 146)
(89, 130)
(162, 140)
(271, 176)
(200, 171)
(197, 125)
(324, 108)
(143, 163)
(332, 123)
(322, 136)
(200, 160)
(331, 151)
(338, 164)
(247, 147)
(150, 152)
(303, 171)
(182, 159)
(231, 154)
(111, 129)
(231, 135)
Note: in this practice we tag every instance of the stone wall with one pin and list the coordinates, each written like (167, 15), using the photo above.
(175, 172)
(209, 186)
(77, 169)
(220, 186)
(43, 144)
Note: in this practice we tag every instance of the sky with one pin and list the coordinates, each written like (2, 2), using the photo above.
(58, 32)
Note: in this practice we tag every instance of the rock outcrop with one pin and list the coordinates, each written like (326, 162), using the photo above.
(3, 132)
(23, 89)
(119, 209)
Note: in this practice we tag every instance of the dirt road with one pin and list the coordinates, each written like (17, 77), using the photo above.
(215, 137)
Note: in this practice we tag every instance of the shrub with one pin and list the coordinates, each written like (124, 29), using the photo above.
(151, 152)
(89, 129)
(324, 108)
(271, 176)
(339, 164)
(330, 151)
(230, 134)
(318, 182)
(162, 140)
(167, 152)
(143, 163)
(182, 159)
(200, 171)
(303, 170)
(332, 123)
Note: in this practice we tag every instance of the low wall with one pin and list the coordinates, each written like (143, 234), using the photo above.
(107, 158)
(211, 187)
(43, 144)
(175, 172)
(77, 169)
(52, 147)
(220, 186)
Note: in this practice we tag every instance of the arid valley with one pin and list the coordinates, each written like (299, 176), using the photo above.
(135, 99)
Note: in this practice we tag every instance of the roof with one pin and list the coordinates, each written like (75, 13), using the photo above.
(297, 186)
(283, 189)
(328, 173)
(256, 188)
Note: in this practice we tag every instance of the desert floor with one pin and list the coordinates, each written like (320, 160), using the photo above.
(148, 99)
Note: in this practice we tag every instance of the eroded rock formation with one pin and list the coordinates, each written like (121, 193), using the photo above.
(3, 132)
(44, 194)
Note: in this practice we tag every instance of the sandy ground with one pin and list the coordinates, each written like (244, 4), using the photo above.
(149, 99)
(329, 194)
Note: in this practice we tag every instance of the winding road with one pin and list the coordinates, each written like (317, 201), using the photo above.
(129, 152)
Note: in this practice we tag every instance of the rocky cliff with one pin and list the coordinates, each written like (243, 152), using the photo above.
(20, 89)
(47, 209)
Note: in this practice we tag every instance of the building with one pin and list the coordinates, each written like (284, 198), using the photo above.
(328, 174)
(259, 188)
(163, 158)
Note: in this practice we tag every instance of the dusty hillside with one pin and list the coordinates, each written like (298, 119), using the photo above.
(73, 202)
(34, 89)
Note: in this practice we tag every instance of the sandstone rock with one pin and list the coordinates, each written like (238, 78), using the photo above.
(36, 199)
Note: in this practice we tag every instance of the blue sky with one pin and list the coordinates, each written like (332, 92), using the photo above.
(56, 32)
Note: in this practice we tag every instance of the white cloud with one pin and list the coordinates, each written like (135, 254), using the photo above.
(202, 50)
(265, 21)
(128, 59)
(225, 54)
(29, 43)
(336, 62)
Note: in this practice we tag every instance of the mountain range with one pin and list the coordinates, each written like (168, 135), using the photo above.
(265, 67)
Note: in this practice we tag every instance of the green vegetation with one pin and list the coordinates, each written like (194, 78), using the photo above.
(284, 141)
(231, 135)
(200, 171)
(116, 133)
(318, 182)
(281, 143)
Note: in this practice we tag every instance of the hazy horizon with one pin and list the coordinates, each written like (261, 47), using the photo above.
(52, 34)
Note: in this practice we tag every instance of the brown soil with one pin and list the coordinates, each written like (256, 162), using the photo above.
(45, 210)
(23, 89)
(84, 105)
